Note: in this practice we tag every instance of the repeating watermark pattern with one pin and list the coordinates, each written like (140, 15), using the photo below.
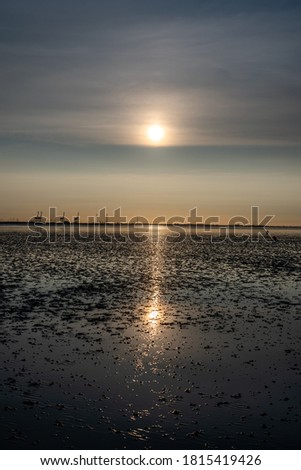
(139, 229)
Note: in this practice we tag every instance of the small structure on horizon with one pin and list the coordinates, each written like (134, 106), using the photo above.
(39, 219)
(63, 219)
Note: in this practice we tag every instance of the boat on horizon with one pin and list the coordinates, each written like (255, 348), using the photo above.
(62, 220)
(38, 219)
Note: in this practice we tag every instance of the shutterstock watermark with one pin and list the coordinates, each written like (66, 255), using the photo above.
(117, 227)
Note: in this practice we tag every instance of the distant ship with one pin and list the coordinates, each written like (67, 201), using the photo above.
(39, 219)
(138, 222)
(63, 220)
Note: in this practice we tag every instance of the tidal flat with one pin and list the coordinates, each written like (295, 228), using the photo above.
(153, 345)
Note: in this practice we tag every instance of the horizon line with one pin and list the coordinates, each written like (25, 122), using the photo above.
(124, 224)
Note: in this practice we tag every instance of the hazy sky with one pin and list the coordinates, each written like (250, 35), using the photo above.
(81, 82)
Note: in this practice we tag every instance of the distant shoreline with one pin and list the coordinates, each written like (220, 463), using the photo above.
(86, 224)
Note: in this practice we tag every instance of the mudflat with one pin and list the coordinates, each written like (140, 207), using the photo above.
(150, 345)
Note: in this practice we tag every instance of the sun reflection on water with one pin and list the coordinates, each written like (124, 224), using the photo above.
(153, 315)
(154, 310)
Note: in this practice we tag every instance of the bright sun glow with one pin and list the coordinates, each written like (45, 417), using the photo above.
(155, 133)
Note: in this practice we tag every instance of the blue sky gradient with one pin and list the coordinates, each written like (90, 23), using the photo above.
(81, 82)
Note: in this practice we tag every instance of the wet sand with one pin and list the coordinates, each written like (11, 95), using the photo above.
(150, 346)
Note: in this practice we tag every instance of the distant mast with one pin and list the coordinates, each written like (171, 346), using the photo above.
(39, 219)
(63, 219)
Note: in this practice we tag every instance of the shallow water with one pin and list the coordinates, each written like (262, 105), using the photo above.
(150, 345)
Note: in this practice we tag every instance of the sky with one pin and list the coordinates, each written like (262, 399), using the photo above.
(82, 81)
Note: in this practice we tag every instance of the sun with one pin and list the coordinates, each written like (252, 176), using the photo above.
(155, 133)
